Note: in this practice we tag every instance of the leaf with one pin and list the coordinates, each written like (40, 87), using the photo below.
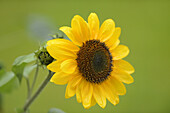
(18, 70)
(55, 110)
(24, 59)
(28, 70)
(20, 63)
(8, 82)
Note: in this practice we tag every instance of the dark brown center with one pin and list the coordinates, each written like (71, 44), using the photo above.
(94, 61)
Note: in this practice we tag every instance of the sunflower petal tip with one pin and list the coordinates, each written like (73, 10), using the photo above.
(103, 106)
(86, 106)
(111, 21)
(93, 13)
(51, 80)
(62, 28)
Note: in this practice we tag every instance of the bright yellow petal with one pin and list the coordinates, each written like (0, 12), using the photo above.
(69, 66)
(112, 97)
(63, 43)
(93, 22)
(80, 28)
(75, 81)
(86, 92)
(120, 52)
(61, 78)
(122, 76)
(69, 32)
(117, 86)
(106, 30)
(99, 95)
(70, 91)
(61, 53)
(78, 90)
(55, 66)
(113, 41)
(93, 102)
(71, 87)
(124, 65)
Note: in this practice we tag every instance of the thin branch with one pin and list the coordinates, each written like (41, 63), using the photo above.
(44, 83)
(35, 77)
(28, 88)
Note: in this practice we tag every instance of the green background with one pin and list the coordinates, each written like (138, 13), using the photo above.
(145, 30)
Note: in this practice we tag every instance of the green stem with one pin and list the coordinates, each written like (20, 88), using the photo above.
(28, 87)
(44, 83)
(35, 77)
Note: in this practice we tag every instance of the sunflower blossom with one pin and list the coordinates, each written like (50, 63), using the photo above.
(91, 63)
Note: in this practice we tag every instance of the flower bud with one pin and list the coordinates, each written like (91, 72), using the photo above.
(44, 57)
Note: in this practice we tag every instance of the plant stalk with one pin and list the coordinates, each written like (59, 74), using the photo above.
(35, 77)
(44, 83)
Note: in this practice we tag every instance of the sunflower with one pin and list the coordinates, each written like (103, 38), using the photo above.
(91, 63)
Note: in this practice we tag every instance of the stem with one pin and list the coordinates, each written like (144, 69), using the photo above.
(28, 87)
(35, 77)
(44, 83)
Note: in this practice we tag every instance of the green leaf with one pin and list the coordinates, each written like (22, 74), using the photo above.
(24, 59)
(28, 70)
(20, 63)
(8, 82)
(18, 70)
(55, 110)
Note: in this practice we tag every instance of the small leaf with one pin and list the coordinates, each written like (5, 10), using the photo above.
(24, 59)
(20, 63)
(18, 70)
(28, 70)
(8, 82)
(55, 110)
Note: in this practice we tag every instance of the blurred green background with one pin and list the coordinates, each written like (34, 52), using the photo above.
(145, 29)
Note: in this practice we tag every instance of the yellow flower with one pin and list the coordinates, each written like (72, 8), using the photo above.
(91, 63)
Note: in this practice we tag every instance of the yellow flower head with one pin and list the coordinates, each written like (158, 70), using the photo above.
(91, 63)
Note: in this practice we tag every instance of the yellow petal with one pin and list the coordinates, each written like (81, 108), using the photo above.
(120, 52)
(69, 66)
(80, 28)
(113, 41)
(63, 43)
(112, 97)
(117, 86)
(75, 81)
(93, 102)
(61, 53)
(78, 91)
(124, 65)
(86, 91)
(55, 66)
(106, 30)
(122, 76)
(61, 78)
(93, 22)
(70, 90)
(69, 32)
(99, 95)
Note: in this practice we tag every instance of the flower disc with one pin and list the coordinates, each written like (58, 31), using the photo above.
(94, 61)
